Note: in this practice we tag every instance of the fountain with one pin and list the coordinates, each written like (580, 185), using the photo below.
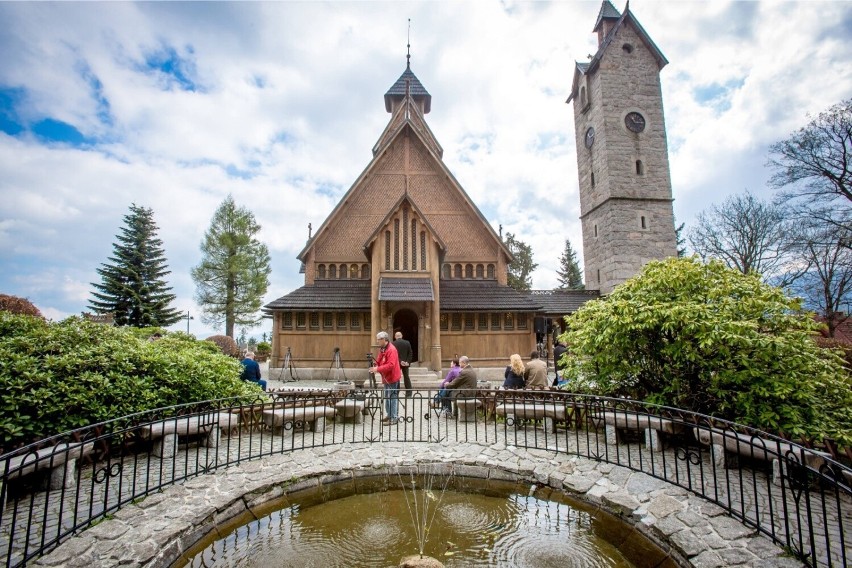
(447, 520)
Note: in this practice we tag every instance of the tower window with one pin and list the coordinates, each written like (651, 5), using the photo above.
(599, 275)
(642, 222)
(583, 100)
(593, 179)
(640, 168)
(627, 48)
(596, 230)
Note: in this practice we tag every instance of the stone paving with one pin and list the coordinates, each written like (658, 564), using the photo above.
(691, 529)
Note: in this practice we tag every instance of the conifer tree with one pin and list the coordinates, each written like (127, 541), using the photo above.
(132, 286)
(522, 266)
(569, 275)
(234, 271)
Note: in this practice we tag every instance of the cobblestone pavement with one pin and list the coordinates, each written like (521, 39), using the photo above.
(266, 463)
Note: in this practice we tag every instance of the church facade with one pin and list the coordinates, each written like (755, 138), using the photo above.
(405, 249)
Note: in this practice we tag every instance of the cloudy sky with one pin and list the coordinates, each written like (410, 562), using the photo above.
(173, 106)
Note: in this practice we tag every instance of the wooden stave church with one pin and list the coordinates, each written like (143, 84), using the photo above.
(406, 249)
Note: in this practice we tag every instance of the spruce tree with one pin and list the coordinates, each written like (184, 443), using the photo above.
(522, 266)
(234, 271)
(570, 277)
(132, 286)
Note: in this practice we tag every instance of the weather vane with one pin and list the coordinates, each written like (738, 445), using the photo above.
(408, 53)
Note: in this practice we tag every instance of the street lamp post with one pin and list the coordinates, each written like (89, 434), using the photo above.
(188, 317)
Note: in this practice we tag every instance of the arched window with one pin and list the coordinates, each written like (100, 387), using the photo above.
(642, 222)
(468, 271)
(321, 271)
(332, 271)
(583, 100)
(640, 168)
(491, 274)
(448, 271)
(457, 271)
(342, 273)
(365, 272)
(480, 271)
(353, 271)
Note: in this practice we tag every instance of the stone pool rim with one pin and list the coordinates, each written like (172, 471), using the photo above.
(687, 528)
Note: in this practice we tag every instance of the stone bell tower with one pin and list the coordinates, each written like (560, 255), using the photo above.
(622, 154)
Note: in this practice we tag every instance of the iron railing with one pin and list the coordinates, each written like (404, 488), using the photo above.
(799, 497)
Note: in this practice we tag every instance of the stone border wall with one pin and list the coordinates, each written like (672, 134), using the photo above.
(688, 529)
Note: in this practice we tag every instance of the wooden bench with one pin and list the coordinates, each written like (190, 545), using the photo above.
(60, 459)
(350, 408)
(517, 410)
(728, 446)
(310, 417)
(653, 426)
(165, 434)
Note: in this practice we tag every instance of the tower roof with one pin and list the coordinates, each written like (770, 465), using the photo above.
(416, 89)
(608, 12)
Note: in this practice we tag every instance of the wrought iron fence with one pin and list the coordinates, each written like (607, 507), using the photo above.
(799, 497)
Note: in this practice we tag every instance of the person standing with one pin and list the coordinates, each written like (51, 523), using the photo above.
(387, 365)
(406, 356)
(558, 352)
(536, 373)
(251, 370)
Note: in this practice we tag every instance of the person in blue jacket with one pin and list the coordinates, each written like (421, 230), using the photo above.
(251, 370)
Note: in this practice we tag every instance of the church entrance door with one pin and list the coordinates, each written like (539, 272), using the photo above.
(407, 321)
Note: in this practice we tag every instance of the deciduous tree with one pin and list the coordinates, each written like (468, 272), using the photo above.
(234, 271)
(748, 235)
(813, 167)
(711, 339)
(132, 286)
(522, 265)
(568, 273)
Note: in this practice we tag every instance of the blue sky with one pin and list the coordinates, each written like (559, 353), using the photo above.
(175, 105)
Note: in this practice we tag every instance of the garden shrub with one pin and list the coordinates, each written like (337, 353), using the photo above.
(56, 377)
(16, 305)
(712, 340)
(226, 344)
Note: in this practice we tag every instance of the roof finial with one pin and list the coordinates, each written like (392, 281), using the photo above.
(408, 53)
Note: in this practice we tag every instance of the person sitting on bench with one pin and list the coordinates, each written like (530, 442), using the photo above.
(465, 380)
(251, 370)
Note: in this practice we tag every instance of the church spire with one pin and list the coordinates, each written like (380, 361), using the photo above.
(408, 85)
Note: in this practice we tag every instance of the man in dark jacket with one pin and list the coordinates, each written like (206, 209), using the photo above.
(406, 356)
(558, 352)
(251, 370)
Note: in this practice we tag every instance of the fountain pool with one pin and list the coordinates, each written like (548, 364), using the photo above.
(470, 523)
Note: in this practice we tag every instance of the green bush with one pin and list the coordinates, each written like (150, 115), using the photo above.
(56, 377)
(709, 339)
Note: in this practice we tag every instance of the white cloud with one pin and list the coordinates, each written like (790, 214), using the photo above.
(289, 96)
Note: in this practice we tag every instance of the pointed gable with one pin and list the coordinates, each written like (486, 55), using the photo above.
(608, 24)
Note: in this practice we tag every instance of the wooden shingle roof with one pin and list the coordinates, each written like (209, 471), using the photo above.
(326, 295)
(484, 295)
(563, 302)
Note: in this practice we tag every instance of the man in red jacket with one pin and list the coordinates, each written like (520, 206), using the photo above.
(387, 365)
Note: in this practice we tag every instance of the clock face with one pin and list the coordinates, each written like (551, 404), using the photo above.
(634, 122)
(590, 137)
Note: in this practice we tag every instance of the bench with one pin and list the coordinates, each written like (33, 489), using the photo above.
(652, 426)
(165, 434)
(310, 417)
(350, 408)
(551, 413)
(466, 408)
(60, 459)
(728, 446)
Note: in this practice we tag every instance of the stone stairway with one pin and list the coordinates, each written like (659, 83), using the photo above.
(422, 377)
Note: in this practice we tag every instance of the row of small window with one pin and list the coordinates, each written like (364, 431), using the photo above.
(343, 271)
(507, 321)
(327, 321)
(468, 271)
